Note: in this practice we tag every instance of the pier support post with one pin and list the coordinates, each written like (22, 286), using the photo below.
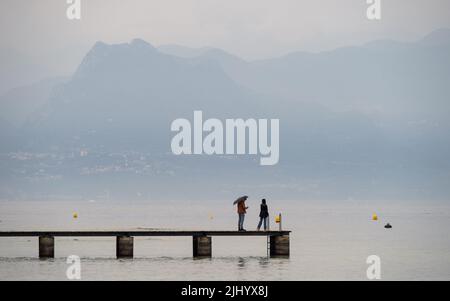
(279, 246)
(202, 246)
(124, 247)
(46, 247)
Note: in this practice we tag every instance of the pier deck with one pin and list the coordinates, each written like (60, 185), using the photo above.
(83, 233)
(278, 241)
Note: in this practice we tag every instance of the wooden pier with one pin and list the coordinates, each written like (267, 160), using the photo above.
(278, 241)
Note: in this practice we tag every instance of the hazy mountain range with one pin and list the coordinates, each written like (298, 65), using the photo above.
(365, 122)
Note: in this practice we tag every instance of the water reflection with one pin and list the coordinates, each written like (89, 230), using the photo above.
(263, 262)
(241, 262)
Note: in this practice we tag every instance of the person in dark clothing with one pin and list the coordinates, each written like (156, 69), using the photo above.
(263, 215)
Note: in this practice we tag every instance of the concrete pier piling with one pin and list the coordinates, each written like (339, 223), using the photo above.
(46, 247)
(124, 246)
(202, 246)
(279, 246)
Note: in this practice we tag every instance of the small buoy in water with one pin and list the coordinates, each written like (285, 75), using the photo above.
(388, 226)
(75, 215)
(374, 217)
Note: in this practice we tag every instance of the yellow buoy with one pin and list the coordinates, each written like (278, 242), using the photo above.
(374, 217)
(75, 215)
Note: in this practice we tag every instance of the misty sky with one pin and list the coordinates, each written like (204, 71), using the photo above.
(251, 29)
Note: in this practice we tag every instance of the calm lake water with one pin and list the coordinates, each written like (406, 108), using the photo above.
(330, 241)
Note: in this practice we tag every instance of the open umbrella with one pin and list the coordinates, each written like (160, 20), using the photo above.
(241, 199)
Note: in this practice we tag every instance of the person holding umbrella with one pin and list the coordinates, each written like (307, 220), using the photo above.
(241, 210)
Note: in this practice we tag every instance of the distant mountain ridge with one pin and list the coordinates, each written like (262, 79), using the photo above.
(130, 90)
(375, 67)
(355, 121)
